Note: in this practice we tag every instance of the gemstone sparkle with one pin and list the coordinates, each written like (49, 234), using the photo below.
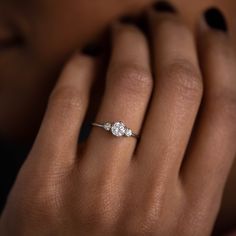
(128, 132)
(107, 126)
(118, 129)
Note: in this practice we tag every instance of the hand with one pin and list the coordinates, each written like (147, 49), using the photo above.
(171, 181)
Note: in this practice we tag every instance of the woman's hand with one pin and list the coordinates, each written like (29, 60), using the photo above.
(169, 182)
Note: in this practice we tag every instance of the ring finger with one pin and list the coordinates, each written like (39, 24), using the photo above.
(127, 93)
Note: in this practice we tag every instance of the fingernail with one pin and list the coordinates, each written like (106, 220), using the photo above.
(139, 22)
(92, 50)
(127, 20)
(164, 6)
(215, 19)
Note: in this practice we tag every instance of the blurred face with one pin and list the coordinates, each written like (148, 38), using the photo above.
(36, 37)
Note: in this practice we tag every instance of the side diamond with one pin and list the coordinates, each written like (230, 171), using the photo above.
(107, 126)
(128, 132)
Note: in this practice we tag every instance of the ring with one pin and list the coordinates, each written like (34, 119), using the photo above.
(117, 129)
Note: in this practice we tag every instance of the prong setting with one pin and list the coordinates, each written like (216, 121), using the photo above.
(117, 129)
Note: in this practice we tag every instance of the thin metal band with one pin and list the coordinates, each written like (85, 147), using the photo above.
(98, 125)
(108, 126)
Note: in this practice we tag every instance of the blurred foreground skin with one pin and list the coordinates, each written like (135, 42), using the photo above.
(37, 39)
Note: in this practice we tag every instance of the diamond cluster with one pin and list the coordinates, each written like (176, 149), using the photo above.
(118, 129)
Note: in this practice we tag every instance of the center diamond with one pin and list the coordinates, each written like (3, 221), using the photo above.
(118, 129)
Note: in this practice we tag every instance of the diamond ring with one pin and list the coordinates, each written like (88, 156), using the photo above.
(118, 129)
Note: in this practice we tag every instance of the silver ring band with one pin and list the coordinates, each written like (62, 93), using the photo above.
(118, 129)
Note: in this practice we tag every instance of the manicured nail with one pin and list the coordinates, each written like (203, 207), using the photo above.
(164, 6)
(127, 20)
(139, 22)
(215, 19)
(92, 50)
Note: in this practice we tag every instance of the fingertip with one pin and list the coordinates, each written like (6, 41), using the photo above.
(164, 6)
(77, 64)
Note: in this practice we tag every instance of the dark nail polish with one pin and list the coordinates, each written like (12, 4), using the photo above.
(215, 19)
(143, 25)
(92, 50)
(164, 6)
(127, 20)
(139, 22)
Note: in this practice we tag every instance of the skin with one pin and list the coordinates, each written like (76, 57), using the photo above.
(66, 173)
(49, 41)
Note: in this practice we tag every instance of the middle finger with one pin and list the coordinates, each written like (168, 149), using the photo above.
(177, 94)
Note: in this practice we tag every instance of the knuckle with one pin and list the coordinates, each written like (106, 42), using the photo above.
(202, 206)
(97, 213)
(41, 207)
(146, 220)
(184, 78)
(132, 79)
(140, 226)
(98, 206)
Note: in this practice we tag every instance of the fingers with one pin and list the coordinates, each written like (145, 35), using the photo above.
(127, 93)
(177, 95)
(58, 135)
(213, 148)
